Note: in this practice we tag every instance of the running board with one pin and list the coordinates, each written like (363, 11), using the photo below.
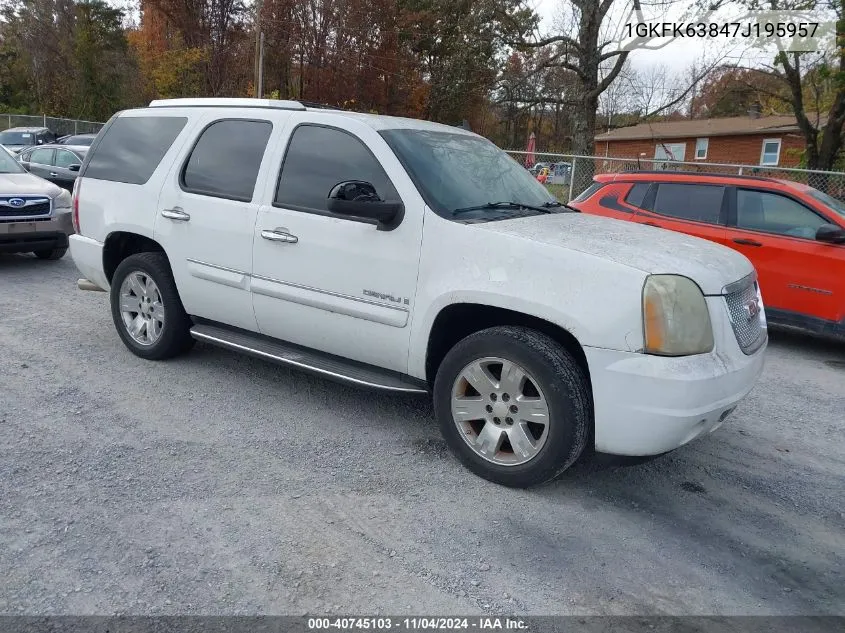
(332, 367)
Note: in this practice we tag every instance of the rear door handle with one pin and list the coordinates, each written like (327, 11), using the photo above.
(279, 235)
(176, 213)
(651, 224)
(54, 174)
(746, 242)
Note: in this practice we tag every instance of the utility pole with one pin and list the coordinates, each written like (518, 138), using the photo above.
(259, 52)
(261, 64)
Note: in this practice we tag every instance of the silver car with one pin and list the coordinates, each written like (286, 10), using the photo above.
(35, 215)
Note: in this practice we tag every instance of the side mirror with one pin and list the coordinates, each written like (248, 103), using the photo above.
(74, 167)
(359, 199)
(831, 234)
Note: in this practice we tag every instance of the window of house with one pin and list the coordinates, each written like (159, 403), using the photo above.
(701, 145)
(670, 151)
(774, 213)
(771, 152)
(225, 161)
(700, 203)
(309, 172)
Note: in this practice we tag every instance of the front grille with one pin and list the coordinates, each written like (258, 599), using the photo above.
(23, 206)
(747, 313)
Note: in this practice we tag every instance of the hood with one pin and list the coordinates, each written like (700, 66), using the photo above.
(646, 248)
(27, 184)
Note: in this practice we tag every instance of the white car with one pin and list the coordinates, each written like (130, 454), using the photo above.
(408, 256)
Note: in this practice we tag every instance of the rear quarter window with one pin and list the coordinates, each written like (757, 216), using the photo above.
(588, 192)
(132, 147)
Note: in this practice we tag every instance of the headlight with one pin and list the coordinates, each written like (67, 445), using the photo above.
(62, 201)
(676, 320)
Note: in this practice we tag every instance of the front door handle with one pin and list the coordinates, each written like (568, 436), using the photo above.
(651, 224)
(742, 240)
(176, 213)
(54, 174)
(279, 235)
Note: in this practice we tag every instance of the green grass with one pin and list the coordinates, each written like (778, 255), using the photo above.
(561, 192)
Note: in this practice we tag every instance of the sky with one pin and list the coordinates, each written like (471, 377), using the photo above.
(679, 54)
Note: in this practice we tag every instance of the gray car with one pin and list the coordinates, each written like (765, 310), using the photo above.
(59, 164)
(35, 215)
(16, 139)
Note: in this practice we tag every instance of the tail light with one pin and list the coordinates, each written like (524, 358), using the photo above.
(75, 204)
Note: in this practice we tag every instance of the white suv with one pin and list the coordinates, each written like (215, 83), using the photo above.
(408, 256)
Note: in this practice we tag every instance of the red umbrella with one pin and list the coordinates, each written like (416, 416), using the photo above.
(530, 159)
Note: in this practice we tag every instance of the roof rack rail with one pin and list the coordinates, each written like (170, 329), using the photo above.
(318, 106)
(668, 172)
(238, 102)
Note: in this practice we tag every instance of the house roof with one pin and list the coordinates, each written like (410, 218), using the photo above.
(729, 126)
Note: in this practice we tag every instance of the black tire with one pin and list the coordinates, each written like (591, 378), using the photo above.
(175, 338)
(53, 254)
(560, 377)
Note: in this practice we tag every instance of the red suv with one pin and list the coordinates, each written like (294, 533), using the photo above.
(793, 234)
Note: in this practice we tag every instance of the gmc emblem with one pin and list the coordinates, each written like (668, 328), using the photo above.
(752, 309)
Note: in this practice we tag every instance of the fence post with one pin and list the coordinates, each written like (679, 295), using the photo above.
(44, 120)
(572, 177)
(10, 120)
(75, 126)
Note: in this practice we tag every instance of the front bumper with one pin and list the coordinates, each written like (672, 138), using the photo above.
(647, 405)
(27, 235)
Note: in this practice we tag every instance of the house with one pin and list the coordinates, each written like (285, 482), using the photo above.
(773, 141)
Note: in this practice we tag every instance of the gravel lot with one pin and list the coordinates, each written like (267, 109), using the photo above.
(220, 484)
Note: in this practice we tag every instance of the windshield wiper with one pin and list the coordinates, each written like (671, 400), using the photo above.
(503, 205)
(554, 204)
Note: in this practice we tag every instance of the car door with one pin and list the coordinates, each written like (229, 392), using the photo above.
(62, 174)
(41, 162)
(694, 209)
(334, 283)
(798, 274)
(207, 215)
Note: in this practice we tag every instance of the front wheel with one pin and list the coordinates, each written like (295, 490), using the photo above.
(513, 405)
(51, 254)
(146, 308)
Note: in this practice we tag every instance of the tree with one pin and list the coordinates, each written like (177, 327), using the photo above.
(819, 112)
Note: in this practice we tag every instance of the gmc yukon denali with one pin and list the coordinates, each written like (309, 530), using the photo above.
(407, 256)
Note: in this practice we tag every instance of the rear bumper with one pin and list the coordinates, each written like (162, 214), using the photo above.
(27, 236)
(87, 254)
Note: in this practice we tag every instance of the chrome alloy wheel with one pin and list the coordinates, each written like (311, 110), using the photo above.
(500, 411)
(141, 308)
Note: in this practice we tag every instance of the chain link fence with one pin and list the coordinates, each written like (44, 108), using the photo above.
(569, 175)
(58, 125)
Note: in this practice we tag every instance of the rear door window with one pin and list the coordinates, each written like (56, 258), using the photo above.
(699, 203)
(41, 157)
(132, 147)
(225, 160)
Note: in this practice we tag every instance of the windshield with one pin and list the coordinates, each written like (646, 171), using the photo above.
(8, 164)
(79, 140)
(458, 171)
(17, 138)
(829, 201)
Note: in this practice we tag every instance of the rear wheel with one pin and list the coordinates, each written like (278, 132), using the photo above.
(146, 308)
(51, 254)
(513, 405)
